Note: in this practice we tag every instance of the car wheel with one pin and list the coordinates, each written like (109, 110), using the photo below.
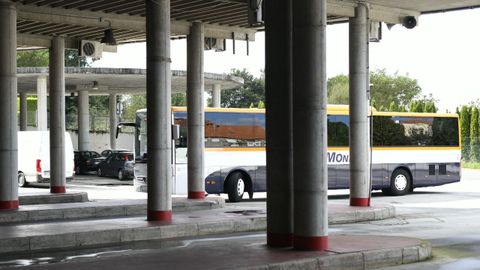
(120, 174)
(22, 181)
(99, 172)
(400, 182)
(235, 186)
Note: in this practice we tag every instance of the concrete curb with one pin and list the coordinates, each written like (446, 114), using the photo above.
(128, 229)
(356, 260)
(139, 207)
(53, 198)
(360, 214)
(101, 210)
(116, 236)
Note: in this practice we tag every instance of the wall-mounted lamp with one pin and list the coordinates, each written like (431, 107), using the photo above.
(108, 37)
(95, 85)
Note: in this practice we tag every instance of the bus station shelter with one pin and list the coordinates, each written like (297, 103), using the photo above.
(295, 89)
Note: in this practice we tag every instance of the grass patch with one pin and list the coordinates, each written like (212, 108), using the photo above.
(470, 165)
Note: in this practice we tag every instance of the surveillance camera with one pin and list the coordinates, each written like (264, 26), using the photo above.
(409, 22)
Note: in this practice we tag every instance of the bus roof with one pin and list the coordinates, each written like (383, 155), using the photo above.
(331, 108)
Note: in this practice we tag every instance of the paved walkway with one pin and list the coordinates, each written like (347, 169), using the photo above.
(109, 223)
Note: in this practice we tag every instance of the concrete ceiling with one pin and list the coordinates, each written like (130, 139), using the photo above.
(38, 20)
(115, 80)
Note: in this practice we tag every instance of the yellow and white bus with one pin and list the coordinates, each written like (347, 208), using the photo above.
(409, 150)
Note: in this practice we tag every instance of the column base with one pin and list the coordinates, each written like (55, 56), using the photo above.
(159, 215)
(58, 189)
(310, 243)
(9, 205)
(197, 195)
(364, 202)
(278, 240)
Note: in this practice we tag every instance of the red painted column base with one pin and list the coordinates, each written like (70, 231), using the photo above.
(58, 189)
(9, 205)
(311, 243)
(279, 239)
(153, 215)
(196, 195)
(365, 202)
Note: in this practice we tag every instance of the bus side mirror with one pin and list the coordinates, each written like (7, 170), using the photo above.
(118, 130)
(175, 132)
(124, 124)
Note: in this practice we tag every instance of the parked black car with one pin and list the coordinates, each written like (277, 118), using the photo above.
(86, 161)
(117, 164)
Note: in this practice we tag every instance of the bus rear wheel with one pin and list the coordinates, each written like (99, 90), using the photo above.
(400, 182)
(235, 186)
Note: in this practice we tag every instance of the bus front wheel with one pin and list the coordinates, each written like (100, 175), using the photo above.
(235, 186)
(400, 182)
(22, 180)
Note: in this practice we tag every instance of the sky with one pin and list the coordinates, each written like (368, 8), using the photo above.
(442, 53)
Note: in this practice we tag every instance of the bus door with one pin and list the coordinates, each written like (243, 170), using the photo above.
(180, 176)
(179, 161)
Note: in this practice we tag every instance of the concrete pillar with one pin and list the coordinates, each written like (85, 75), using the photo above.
(278, 98)
(8, 106)
(195, 112)
(112, 106)
(23, 111)
(42, 121)
(310, 125)
(159, 117)
(57, 116)
(217, 95)
(359, 126)
(83, 121)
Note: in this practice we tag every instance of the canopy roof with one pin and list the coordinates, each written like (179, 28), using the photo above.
(39, 20)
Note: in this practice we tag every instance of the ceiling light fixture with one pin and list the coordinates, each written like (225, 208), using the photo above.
(108, 37)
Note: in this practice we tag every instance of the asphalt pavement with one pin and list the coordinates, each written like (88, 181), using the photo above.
(47, 229)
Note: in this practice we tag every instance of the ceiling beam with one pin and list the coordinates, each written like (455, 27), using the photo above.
(118, 21)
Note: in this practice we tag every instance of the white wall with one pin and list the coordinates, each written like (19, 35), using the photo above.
(101, 141)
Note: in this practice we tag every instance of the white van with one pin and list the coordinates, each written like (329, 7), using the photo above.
(34, 157)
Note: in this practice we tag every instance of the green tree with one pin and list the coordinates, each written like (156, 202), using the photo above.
(474, 136)
(388, 92)
(387, 88)
(393, 107)
(416, 106)
(337, 90)
(72, 59)
(430, 107)
(252, 91)
(131, 104)
(424, 104)
(34, 58)
(39, 58)
(465, 118)
(179, 99)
